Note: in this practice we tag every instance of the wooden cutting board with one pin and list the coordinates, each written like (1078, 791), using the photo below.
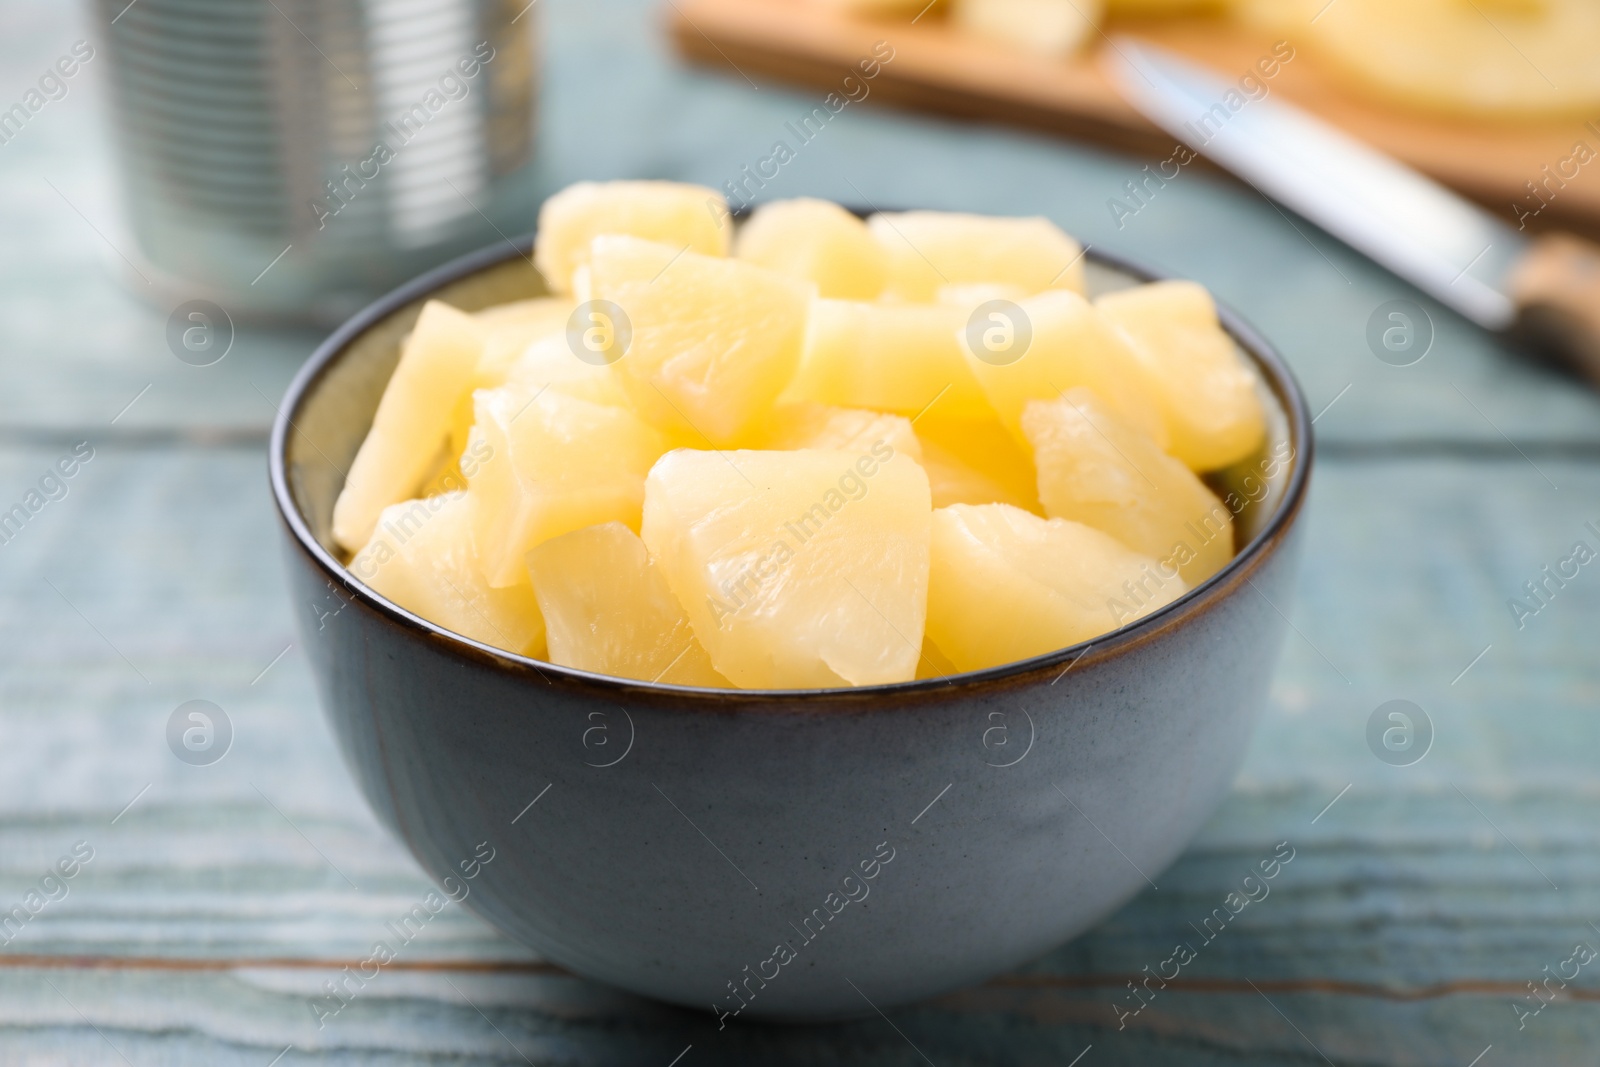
(939, 69)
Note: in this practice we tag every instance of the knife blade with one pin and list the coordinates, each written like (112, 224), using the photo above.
(1546, 288)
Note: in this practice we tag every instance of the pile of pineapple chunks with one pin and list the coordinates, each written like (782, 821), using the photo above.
(809, 454)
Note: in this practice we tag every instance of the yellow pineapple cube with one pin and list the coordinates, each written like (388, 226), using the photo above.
(1205, 390)
(509, 329)
(553, 463)
(423, 556)
(1096, 469)
(975, 461)
(796, 569)
(1050, 29)
(826, 461)
(1006, 585)
(932, 249)
(1169, 8)
(607, 609)
(713, 341)
(969, 295)
(818, 241)
(807, 425)
(1060, 341)
(879, 8)
(412, 423)
(888, 357)
(688, 217)
(1482, 59)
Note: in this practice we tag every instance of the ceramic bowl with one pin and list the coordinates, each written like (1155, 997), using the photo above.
(782, 854)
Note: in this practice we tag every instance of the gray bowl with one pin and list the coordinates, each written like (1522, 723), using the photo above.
(785, 854)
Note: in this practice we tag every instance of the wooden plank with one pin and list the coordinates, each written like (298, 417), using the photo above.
(251, 1015)
(218, 902)
(938, 68)
(1401, 933)
(79, 346)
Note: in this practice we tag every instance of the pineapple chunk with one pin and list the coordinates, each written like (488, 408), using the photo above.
(608, 609)
(1071, 345)
(412, 423)
(931, 249)
(818, 241)
(1096, 469)
(823, 462)
(452, 468)
(554, 463)
(1167, 8)
(888, 357)
(549, 363)
(1006, 585)
(684, 216)
(975, 461)
(797, 569)
(807, 425)
(508, 331)
(714, 341)
(1204, 388)
(423, 556)
(1050, 29)
(511, 328)
(934, 664)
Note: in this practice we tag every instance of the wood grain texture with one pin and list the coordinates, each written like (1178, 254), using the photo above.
(78, 346)
(218, 904)
(220, 901)
(938, 68)
(1557, 291)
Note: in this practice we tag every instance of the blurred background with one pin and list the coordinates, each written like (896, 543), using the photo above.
(193, 191)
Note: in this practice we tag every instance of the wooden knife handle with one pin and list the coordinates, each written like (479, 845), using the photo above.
(1556, 288)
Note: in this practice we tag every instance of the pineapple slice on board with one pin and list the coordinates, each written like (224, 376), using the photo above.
(803, 424)
(1497, 59)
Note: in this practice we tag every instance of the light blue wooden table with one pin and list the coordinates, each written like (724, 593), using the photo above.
(1421, 899)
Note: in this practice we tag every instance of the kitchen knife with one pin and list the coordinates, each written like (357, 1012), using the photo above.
(1545, 289)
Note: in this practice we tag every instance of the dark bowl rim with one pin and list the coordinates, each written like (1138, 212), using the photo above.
(1187, 608)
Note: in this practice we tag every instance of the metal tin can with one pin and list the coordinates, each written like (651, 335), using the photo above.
(293, 159)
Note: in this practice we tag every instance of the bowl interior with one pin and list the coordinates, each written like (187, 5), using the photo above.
(331, 405)
(335, 411)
